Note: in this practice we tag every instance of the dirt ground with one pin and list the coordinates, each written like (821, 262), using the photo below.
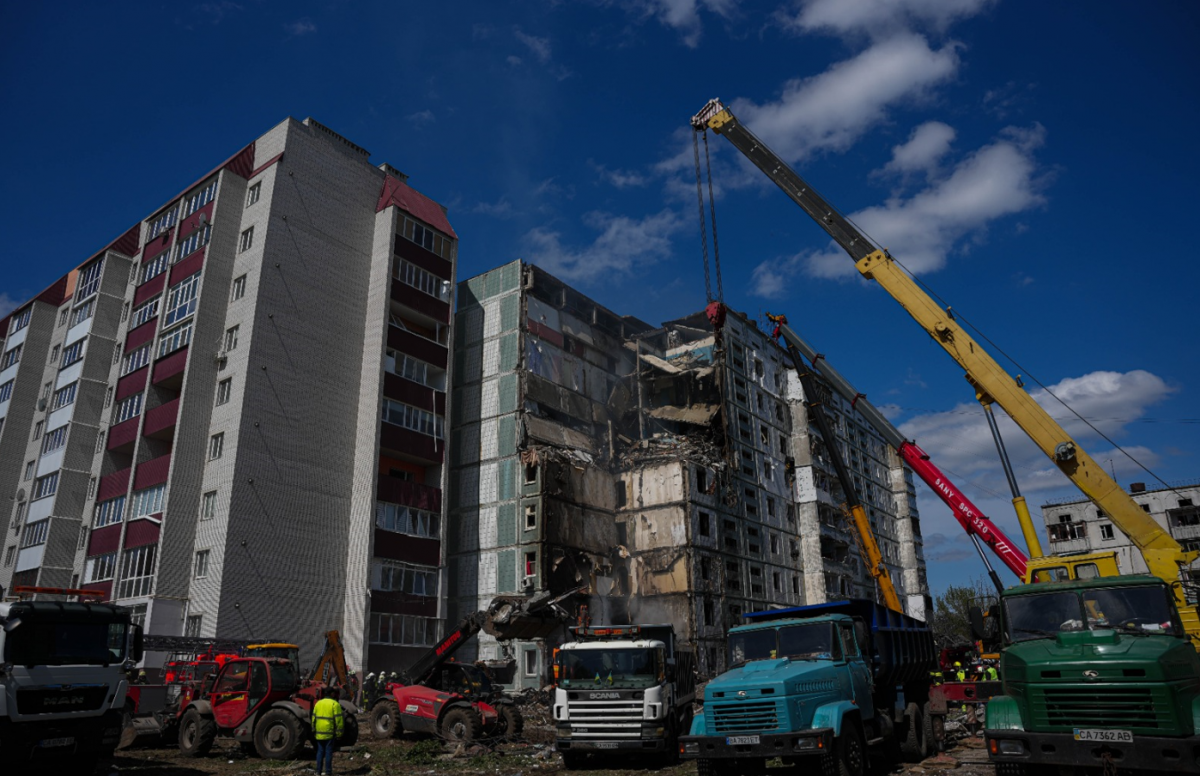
(410, 756)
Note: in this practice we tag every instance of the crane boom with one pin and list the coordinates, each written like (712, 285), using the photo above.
(867, 542)
(973, 521)
(1163, 555)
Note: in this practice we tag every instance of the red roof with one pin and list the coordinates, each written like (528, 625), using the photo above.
(412, 201)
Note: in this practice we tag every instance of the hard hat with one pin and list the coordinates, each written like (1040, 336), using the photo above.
(392, 675)
(371, 675)
(350, 672)
(957, 664)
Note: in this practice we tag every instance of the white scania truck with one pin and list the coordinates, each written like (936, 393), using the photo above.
(623, 690)
(62, 682)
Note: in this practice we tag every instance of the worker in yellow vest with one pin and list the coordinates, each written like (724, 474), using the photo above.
(327, 724)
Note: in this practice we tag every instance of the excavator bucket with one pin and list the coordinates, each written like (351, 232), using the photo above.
(521, 617)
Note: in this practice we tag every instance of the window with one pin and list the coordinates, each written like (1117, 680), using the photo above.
(156, 266)
(239, 288)
(91, 488)
(64, 396)
(127, 408)
(181, 300)
(137, 572)
(224, 388)
(10, 554)
(136, 359)
(20, 321)
(231, 338)
(12, 356)
(414, 419)
(403, 630)
(201, 570)
(6, 390)
(1106, 531)
(109, 512)
(208, 505)
(392, 576)
(30, 468)
(108, 395)
(216, 446)
(162, 223)
(200, 198)
(89, 280)
(246, 240)
(147, 502)
(100, 568)
(417, 371)
(145, 312)
(193, 625)
(530, 517)
(62, 317)
(72, 353)
(125, 311)
(253, 194)
(530, 564)
(704, 521)
(170, 341)
(37, 430)
(194, 242)
(54, 351)
(425, 237)
(422, 280)
(137, 615)
(45, 486)
(35, 533)
(531, 662)
(83, 312)
(407, 520)
(1066, 532)
(55, 439)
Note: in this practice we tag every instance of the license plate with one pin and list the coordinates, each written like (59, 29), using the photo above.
(737, 740)
(1096, 734)
(49, 743)
(607, 745)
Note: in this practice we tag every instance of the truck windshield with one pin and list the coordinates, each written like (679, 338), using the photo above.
(1130, 610)
(57, 643)
(611, 667)
(808, 642)
(752, 645)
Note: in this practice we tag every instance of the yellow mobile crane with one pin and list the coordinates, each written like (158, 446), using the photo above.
(1164, 557)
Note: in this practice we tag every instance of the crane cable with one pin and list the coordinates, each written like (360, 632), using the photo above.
(708, 290)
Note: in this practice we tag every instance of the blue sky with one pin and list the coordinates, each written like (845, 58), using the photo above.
(1028, 160)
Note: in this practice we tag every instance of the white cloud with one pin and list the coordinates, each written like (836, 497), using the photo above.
(621, 179)
(925, 148)
(878, 17)
(421, 117)
(7, 304)
(501, 208)
(622, 244)
(680, 15)
(300, 27)
(832, 110)
(539, 46)
(514, 61)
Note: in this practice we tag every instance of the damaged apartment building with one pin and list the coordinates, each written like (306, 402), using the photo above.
(660, 474)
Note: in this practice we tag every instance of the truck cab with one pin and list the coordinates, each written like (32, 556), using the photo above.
(1095, 672)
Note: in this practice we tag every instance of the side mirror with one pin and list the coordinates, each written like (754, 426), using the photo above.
(136, 649)
(977, 624)
(991, 625)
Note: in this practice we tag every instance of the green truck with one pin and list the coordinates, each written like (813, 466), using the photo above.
(1097, 673)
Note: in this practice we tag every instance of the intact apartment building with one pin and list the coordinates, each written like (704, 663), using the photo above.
(232, 418)
(1077, 525)
(666, 473)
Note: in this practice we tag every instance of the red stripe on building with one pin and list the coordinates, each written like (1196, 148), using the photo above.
(170, 366)
(139, 533)
(241, 163)
(188, 267)
(141, 335)
(124, 433)
(265, 165)
(150, 289)
(113, 485)
(132, 383)
(152, 472)
(104, 540)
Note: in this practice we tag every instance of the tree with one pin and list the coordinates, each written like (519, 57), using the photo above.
(951, 611)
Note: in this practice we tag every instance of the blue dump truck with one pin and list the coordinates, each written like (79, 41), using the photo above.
(825, 681)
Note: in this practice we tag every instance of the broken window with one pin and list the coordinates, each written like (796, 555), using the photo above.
(777, 581)
(621, 495)
(782, 445)
(752, 531)
(779, 412)
(774, 544)
(760, 403)
(764, 435)
(796, 584)
(530, 517)
(530, 564)
(708, 611)
(704, 569)
(731, 543)
(701, 479)
(729, 525)
(703, 523)
(758, 367)
(770, 501)
(530, 473)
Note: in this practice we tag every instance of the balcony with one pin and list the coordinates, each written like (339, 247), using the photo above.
(1186, 531)
(417, 347)
(152, 472)
(168, 371)
(160, 421)
(421, 302)
(406, 445)
(122, 436)
(1067, 546)
(409, 494)
(113, 485)
(404, 390)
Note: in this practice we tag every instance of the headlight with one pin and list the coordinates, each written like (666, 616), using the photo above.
(1008, 746)
(691, 747)
(806, 743)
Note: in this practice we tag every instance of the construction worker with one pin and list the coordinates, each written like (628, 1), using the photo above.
(327, 724)
(992, 674)
(355, 687)
(370, 690)
(960, 675)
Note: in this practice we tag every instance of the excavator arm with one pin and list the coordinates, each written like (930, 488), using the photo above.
(866, 537)
(1164, 556)
(969, 516)
(332, 664)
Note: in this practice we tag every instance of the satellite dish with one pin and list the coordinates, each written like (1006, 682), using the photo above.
(21, 494)
(203, 219)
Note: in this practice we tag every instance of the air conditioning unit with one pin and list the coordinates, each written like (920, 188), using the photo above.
(221, 356)
(41, 405)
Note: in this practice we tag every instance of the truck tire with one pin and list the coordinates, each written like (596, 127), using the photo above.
(461, 724)
(509, 722)
(385, 720)
(850, 750)
(573, 761)
(197, 734)
(913, 744)
(934, 732)
(706, 767)
(349, 736)
(278, 735)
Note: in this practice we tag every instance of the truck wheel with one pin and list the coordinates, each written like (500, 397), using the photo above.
(278, 735)
(913, 743)
(385, 720)
(933, 730)
(705, 767)
(349, 735)
(509, 722)
(197, 734)
(573, 761)
(850, 751)
(461, 724)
